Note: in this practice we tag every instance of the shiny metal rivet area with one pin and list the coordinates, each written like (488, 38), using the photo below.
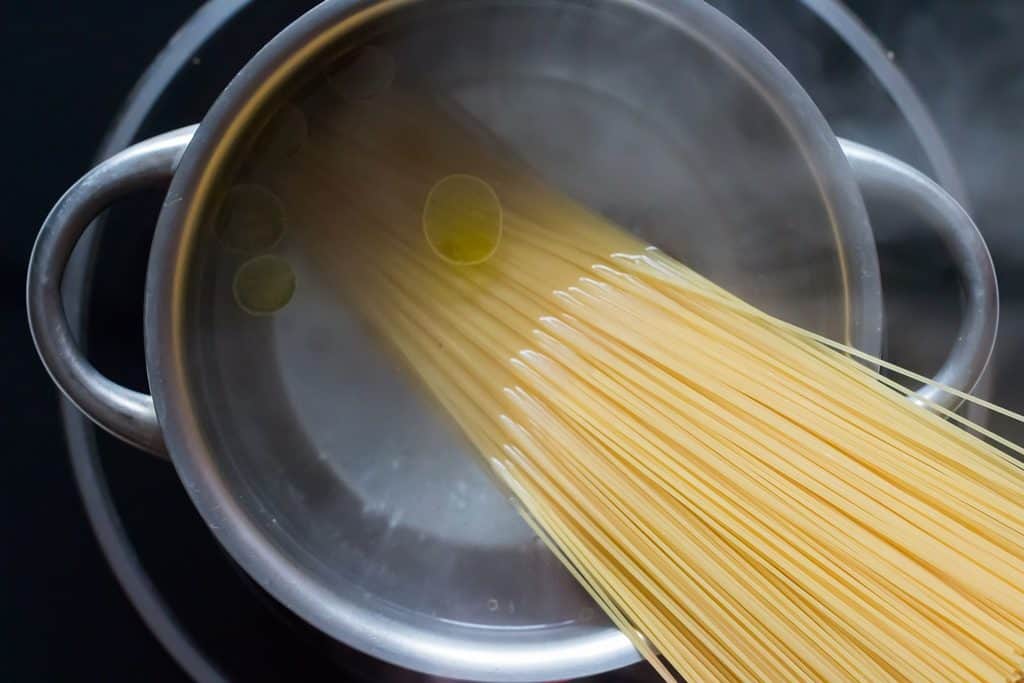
(251, 219)
(368, 74)
(462, 220)
(264, 285)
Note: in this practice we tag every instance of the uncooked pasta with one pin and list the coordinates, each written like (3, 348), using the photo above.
(745, 499)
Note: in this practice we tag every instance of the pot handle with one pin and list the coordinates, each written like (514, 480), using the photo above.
(127, 414)
(885, 177)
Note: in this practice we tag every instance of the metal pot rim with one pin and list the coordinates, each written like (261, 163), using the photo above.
(381, 635)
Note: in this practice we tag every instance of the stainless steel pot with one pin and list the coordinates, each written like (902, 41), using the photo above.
(312, 462)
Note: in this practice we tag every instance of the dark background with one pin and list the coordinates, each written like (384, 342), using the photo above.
(68, 65)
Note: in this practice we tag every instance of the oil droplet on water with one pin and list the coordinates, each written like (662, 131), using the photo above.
(365, 75)
(264, 285)
(462, 220)
(251, 219)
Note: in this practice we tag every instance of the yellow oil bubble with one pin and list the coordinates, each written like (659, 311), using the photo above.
(462, 220)
(264, 285)
(251, 219)
(365, 75)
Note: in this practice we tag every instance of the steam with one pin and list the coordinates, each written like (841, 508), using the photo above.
(967, 64)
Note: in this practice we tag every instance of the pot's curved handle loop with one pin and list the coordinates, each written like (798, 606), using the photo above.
(885, 177)
(127, 414)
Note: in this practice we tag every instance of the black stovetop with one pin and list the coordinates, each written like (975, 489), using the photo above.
(69, 66)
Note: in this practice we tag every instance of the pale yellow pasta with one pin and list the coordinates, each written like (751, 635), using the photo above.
(741, 496)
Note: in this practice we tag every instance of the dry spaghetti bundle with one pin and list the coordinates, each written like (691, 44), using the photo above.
(744, 499)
